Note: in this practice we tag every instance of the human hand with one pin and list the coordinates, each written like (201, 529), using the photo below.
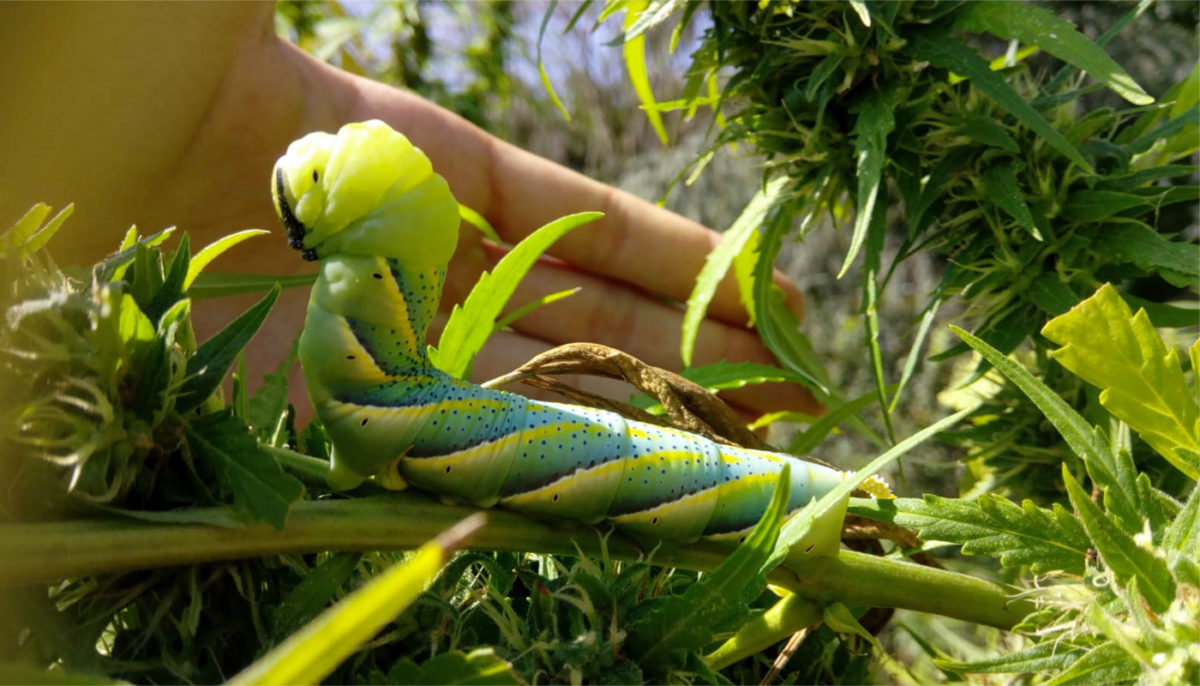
(199, 100)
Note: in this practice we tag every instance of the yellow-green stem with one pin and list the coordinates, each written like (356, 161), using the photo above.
(55, 550)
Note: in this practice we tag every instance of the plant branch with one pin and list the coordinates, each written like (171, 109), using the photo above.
(55, 550)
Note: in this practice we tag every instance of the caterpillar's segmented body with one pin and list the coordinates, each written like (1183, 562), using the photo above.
(367, 205)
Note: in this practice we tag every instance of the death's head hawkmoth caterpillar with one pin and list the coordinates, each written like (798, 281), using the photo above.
(367, 204)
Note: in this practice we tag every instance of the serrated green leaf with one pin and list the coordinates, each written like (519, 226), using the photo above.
(1086, 206)
(779, 328)
(480, 667)
(1045, 540)
(716, 602)
(267, 411)
(743, 273)
(1176, 261)
(871, 129)
(1141, 381)
(1000, 183)
(988, 132)
(1107, 663)
(1120, 553)
(1113, 628)
(213, 250)
(471, 324)
(209, 285)
(1038, 26)
(17, 235)
(206, 368)
(939, 49)
(29, 234)
(821, 73)
(260, 488)
(1089, 444)
(1047, 657)
(309, 655)
(635, 62)
(733, 241)
(314, 593)
(1184, 533)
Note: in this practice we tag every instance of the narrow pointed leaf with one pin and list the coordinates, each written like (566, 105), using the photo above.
(733, 241)
(1120, 553)
(875, 121)
(472, 323)
(207, 367)
(635, 62)
(259, 486)
(309, 655)
(1090, 445)
(211, 251)
(940, 50)
(1038, 26)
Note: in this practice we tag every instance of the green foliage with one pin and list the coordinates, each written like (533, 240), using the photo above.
(473, 322)
(1143, 384)
(310, 654)
(1034, 203)
(898, 118)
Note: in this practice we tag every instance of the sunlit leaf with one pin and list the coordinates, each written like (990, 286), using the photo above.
(635, 62)
(309, 655)
(472, 323)
(211, 251)
(1037, 25)
(1141, 381)
(939, 49)
(733, 242)
(1120, 553)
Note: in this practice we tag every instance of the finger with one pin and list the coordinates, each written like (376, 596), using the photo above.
(635, 242)
(507, 351)
(647, 328)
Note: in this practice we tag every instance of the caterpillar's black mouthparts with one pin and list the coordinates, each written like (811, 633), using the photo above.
(295, 229)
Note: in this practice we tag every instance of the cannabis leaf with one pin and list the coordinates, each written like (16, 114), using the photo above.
(1046, 540)
(1142, 384)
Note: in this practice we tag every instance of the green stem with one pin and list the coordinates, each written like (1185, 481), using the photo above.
(55, 550)
(783, 619)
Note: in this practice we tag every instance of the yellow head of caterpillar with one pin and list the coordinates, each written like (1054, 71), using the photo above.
(365, 191)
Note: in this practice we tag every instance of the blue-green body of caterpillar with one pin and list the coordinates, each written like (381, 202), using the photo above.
(367, 204)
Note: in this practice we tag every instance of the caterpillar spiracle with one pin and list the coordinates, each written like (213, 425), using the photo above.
(367, 204)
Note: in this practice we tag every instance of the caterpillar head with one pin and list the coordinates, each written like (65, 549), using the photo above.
(366, 191)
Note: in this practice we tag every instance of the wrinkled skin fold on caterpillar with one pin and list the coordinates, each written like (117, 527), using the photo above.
(366, 203)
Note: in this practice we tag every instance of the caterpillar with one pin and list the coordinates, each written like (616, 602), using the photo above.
(368, 206)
